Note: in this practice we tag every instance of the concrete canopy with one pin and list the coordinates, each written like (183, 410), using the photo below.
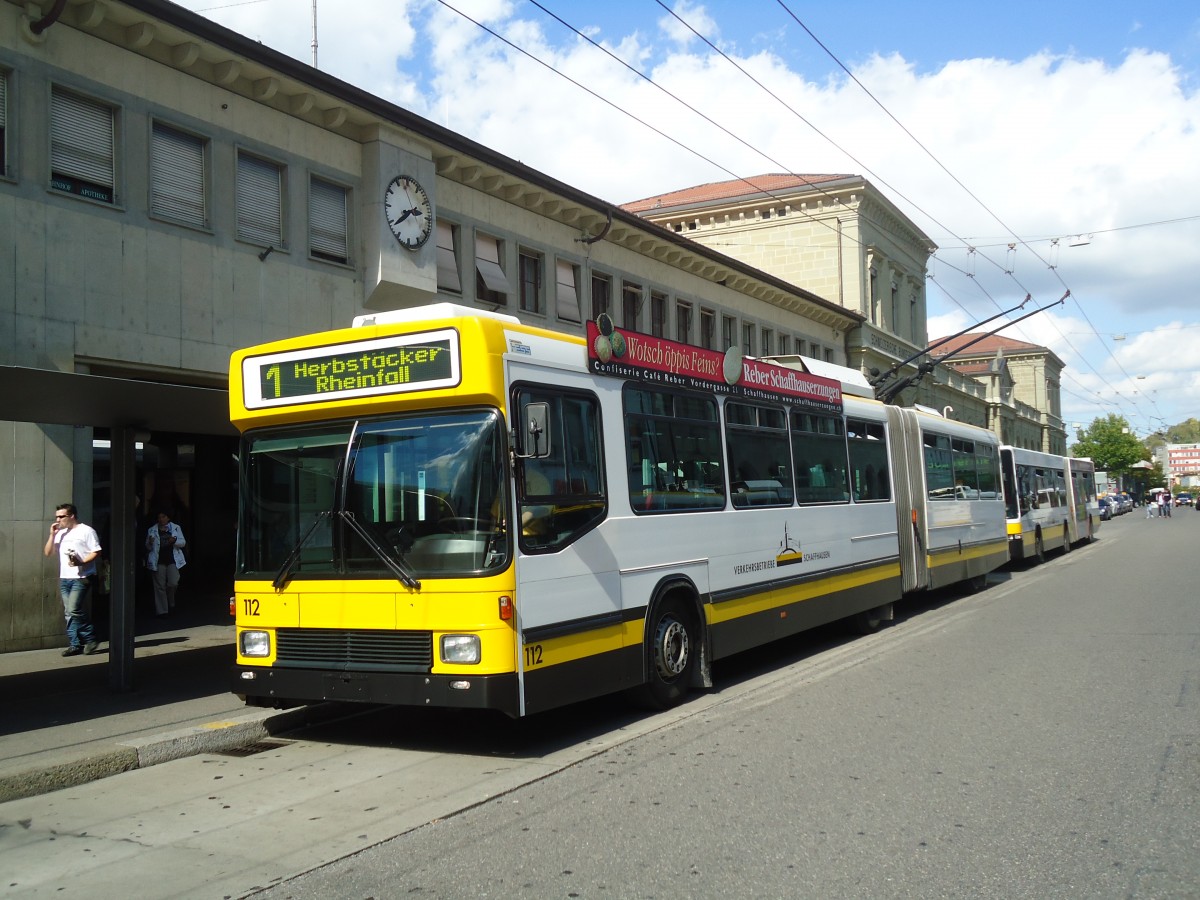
(65, 398)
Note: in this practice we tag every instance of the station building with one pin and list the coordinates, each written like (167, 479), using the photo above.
(171, 191)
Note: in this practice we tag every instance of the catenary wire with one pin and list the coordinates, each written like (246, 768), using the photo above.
(647, 125)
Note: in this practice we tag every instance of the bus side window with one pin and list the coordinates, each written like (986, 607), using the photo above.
(671, 441)
(868, 460)
(563, 495)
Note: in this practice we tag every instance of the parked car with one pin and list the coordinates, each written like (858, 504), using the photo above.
(1106, 509)
(1183, 498)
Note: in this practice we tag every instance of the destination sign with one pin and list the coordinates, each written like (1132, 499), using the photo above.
(356, 369)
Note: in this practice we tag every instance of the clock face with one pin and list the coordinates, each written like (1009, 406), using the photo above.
(409, 212)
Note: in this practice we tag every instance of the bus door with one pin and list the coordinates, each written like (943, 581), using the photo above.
(568, 594)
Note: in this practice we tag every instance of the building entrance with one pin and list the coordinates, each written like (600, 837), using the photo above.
(192, 478)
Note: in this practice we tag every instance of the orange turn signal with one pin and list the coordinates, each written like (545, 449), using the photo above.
(506, 609)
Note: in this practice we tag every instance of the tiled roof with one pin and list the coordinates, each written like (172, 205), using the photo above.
(986, 347)
(974, 367)
(759, 185)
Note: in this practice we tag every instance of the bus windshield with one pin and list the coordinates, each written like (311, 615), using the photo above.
(423, 494)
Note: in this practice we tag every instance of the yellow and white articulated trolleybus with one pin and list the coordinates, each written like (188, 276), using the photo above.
(1050, 501)
(445, 507)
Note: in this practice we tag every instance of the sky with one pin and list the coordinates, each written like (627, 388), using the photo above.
(1048, 150)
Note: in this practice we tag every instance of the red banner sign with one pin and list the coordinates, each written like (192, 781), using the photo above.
(629, 354)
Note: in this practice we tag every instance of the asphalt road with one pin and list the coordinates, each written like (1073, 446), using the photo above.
(1039, 739)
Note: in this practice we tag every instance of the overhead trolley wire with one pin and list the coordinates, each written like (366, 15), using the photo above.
(974, 197)
(712, 162)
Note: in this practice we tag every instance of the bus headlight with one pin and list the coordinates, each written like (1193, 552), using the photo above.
(460, 648)
(254, 643)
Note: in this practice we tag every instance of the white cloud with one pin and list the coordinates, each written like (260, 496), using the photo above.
(695, 15)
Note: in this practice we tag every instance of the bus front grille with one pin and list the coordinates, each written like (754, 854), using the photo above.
(354, 648)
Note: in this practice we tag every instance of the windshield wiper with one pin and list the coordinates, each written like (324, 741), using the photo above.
(281, 577)
(398, 568)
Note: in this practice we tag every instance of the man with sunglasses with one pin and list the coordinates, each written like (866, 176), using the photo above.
(78, 548)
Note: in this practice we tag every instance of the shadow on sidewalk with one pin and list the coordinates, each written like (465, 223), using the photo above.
(78, 693)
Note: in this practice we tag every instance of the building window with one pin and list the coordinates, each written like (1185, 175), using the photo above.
(785, 345)
(566, 291)
(658, 314)
(491, 284)
(631, 304)
(708, 329)
(328, 221)
(828, 354)
(82, 147)
(601, 296)
(873, 299)
(259, 201)
(747, 338)
(683, 322)
(768, 342)
(448, 278)
(728, 332)
(178, 176)
(529, 265)
(3, 124)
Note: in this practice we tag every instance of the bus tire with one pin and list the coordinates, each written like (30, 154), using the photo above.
(870, 621)
(672, 647)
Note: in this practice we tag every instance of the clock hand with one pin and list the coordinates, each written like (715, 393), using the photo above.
(404, 214)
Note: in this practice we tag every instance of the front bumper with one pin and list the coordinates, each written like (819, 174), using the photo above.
(282, 686)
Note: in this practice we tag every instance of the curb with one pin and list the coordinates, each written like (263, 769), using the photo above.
(140, 753)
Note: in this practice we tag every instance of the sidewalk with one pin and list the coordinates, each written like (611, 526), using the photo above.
(61, 725)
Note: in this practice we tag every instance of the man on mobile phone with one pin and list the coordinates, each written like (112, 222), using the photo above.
(78, 548)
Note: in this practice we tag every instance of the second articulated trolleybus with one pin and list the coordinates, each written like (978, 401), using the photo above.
(1050, 501)
(446, 507)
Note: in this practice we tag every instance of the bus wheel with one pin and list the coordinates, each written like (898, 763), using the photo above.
(1039, 549)
(868, 621)
(670, 655)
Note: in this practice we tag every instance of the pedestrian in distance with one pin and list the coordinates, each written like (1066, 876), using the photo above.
(164, 559)
(78, 548)
(1150, 508)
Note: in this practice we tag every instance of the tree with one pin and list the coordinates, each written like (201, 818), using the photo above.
(1184, 433)
(1111, 444)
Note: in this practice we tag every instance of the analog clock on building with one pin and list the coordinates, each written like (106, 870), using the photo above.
(409, 212)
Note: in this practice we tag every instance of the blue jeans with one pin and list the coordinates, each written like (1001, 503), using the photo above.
(74, 593)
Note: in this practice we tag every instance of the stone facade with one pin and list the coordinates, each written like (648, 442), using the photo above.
(1026, 382)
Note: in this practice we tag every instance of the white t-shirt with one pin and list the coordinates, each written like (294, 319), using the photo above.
(83, 540)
